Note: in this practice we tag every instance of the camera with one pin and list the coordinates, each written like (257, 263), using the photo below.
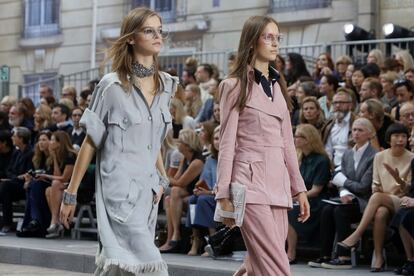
(33, 173)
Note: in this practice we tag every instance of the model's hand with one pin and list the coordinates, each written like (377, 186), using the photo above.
(66, 214)
(227, 205)
(304, 207)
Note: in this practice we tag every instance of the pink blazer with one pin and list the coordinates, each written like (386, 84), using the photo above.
(256, 147)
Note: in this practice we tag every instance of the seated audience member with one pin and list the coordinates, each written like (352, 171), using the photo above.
(11, 187)
(69, 92)
(193, 101)
(83, 96)
(172, 159)
(315, 169)
(68, 103)
(336, 132)
(203, 197)
(306, 89)
(61, 119)
(45, 91)
(376, 56)
(373, 110)
(78, 133)
(37, 213)
(354, 183)
(404, 90)
(49, 101)
(206, 81)
(17, 117)
(62, 157)
(180, 120)
(295, 68)
(206, 111)
(371, 88)
(188, 77)
(205, 135)
(341, 66)
(407, 114)
(371, 70)
(327, 88)
(42, 118)
(387, 81)
(216, 111)
(183, 183)
(357, 80)
(391, 178)
(403, 222)
(4, 121)
(348, 77)
(409, 74)
(6, 103)
(324, 66)
(6, 152)
(311, 113)
(405, 59)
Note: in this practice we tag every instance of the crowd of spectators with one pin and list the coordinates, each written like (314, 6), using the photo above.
(352, 126)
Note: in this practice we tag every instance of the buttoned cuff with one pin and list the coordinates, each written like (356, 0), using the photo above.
(339, 179)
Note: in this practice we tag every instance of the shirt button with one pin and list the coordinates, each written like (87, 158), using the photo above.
(125, 120)
(150, 118)
(149, 147)
(151, 175)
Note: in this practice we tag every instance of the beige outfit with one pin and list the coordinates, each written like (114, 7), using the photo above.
(382, 176)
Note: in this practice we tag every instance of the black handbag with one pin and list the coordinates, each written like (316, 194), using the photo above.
(224, 241)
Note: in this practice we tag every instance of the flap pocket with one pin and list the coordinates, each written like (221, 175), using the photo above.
(248, 157)
(166, 116)
(124, 120)
(122, 210)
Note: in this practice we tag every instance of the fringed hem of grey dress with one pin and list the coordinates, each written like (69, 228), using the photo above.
(127, 134)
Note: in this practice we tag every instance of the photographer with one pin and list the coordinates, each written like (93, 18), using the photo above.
(37, 214)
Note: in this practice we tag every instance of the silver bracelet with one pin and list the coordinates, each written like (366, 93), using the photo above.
(69, 198)
(164, 181)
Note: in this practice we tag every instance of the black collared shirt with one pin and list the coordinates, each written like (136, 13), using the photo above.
(261, 79)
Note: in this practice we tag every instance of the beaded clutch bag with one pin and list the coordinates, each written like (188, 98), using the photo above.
(238, 198)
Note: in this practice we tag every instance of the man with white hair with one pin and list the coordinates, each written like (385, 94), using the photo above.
(354, 183)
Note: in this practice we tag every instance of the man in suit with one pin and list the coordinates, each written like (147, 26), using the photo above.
(354, 183)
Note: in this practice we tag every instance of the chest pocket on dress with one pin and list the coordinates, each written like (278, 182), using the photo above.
(166, 121)
(119, 124)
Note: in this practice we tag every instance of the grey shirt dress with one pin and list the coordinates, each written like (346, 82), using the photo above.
(127, 134)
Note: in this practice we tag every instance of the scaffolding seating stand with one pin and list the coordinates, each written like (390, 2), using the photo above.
(85, 216)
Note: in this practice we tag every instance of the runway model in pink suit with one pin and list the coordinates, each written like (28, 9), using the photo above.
(257, 149)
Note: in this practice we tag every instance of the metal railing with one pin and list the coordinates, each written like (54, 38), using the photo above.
(358, 50)
(284, 5)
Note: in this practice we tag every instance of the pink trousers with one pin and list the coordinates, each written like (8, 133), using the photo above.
(264, 232)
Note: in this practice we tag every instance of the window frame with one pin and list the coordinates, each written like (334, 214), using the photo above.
(43, 29)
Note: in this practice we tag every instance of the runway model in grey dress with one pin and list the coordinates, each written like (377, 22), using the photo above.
(127, 134)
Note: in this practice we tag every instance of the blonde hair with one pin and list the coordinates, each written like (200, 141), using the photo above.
(193, 106)
(9, 100)
(343, 59)
(68, 102)
(366, 123)
(407, 59)
(189, 137)
(389, 76)
(312, 135)
(122, 53)
(377, 53)
(376, 109)
(179, 110)
(45, 114)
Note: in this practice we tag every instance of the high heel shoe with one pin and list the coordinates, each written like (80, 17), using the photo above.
(57, 231)
(383, 266)
(348, 247)
(175, 247)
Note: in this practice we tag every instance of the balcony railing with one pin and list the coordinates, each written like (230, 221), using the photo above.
(286, 5)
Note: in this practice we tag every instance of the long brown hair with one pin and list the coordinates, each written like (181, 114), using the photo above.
(122, 53)
(65, 149)
(39, 156)
(246, 56)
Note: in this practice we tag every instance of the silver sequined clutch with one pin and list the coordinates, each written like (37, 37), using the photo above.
(238, 198)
